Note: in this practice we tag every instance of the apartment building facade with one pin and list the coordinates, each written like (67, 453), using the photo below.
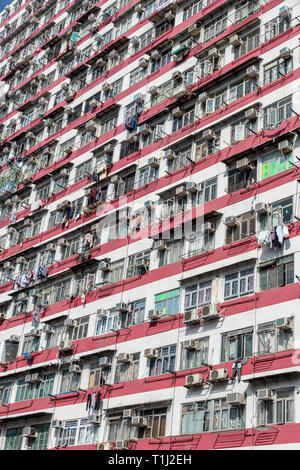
(149, 225)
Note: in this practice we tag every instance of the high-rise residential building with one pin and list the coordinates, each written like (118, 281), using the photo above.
(150, 224)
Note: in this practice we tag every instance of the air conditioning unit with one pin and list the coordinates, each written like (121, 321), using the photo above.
(213, 52)
(48, 329)
(65, 345)
(209, 134)
(209, 312)
(177, 75)
(23, 296)
(231, 221)
(75, 369)
(243, 164)
(48, 122)
(208, 227)
(105, 446)
(284, 323)
(138, 98)
(35, 332)
(235, 41)
(69, 323)
(123, 307)
(109, 148)
(21, 260)
(62, 242)
(70, 95)
(122, 445)
(57, 424)
(160, 245)
(284, 11)
(94, 419)
(105, 265)
(28, 378)
(264, 394)
(134, 40)
(129, 413)
(63, 205)
(194, 30)
(106, 86)
(14, 339)
(169, 16)
(251, 114)
(191, 187)
(261, 208)
(145, 129)
(124, 357)
(177, 112)
(105, 362)
(179, 92)
(154, 314)
(202, 97)
(236, 399)
(191, 317)
(153, 162)
(91, 125)
(155, 54)
(193, 380)
(181, 191)
(151, 353)
(29, 432)
(285, 146)
(252, 71)
(7, 265)
(139, 421)
(189, 344)
(68, 151)
(285, 53)
(144, 61)
(2, 316)
(218, 375)
(35, 378)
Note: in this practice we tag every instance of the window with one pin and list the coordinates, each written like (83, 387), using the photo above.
(147, 175)
(98, 375)
(241, 178)
(164, 92)
(120, 428)
(5, 392)
(40, 442)
(242, 129)
(211, 415)
(13, 439)
(116, 88)
(10, 351)
(276, 69)
(122, 27)
(40, 389)
(164, 362)
(215, 27)
(245, 9)
(53, 339)
(187, 118)
(209, 192)
(61, 290)
(31, 344)
(239, 284)
(67, 435)
(72, 247)
(107, 322)
(215, 101)
(192, 358)
(136, 75)
(237, 345)
(136, 314)
(164, 59)
(116, 273)
(88, 101)
(60, 184)
(276, 26)
(271, 339)
(163, 27)
(173, 252)
(70, 382)
(156, 426)
(137, 260)
(128, 371)
(277, 112)
(279, 273)
(55, 219)
(197, 295)
(280, 213)
(244, 228)
(147, 37)
(168, 302)
(241, 88)
(88, 433)
(278, 410)
(193, 8)
(275, 163)
(80, 330)
(181, 159)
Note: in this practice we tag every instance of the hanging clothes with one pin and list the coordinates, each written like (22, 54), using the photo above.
(88, 401)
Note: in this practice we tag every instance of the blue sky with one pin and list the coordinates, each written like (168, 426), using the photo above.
(3, 4)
